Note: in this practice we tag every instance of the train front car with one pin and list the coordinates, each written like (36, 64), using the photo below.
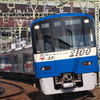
(65, 56)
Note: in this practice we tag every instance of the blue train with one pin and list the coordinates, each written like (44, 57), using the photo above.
(64, 53)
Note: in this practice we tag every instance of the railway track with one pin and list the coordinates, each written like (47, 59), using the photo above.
(1, 90)
(72, 96)
(66, 96)
(9, 90)
(12, 90)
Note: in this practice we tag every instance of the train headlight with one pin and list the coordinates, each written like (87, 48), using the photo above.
(45, 68)
(86, 63)
(36, 27)
(86, 21)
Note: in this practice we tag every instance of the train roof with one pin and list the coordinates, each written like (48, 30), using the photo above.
(28, 46)
(61, 15)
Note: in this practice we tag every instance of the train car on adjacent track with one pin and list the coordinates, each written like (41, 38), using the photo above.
(64, 53)
(17, 63)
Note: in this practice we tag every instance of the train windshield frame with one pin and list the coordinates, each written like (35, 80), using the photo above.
(63, 33)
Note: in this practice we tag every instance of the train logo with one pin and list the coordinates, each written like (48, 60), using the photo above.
(42, 57)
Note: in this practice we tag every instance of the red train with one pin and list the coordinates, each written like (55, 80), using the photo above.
(17, 63)
(5, 62)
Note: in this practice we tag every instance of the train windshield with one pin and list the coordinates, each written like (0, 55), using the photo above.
(63, 33)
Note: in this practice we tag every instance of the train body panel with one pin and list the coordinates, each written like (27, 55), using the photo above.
(66, 66)
(89, 82)
(64, 62)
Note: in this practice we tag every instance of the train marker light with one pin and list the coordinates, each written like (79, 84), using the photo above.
(86, 21)
(46, 68)
(37, 27)
(87, 63)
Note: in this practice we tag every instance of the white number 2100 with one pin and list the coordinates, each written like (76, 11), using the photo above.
(80, 52)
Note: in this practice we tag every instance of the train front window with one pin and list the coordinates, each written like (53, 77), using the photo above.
(61, 39)
(72, 32)
(63, 33)
(43, 37)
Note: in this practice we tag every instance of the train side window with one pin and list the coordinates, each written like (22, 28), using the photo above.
(15, 62)
(2, 62)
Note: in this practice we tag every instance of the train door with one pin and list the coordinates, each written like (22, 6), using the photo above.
(9, 63)
(19, 62)
(15, 63)
(27, 62)
(62, 43)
